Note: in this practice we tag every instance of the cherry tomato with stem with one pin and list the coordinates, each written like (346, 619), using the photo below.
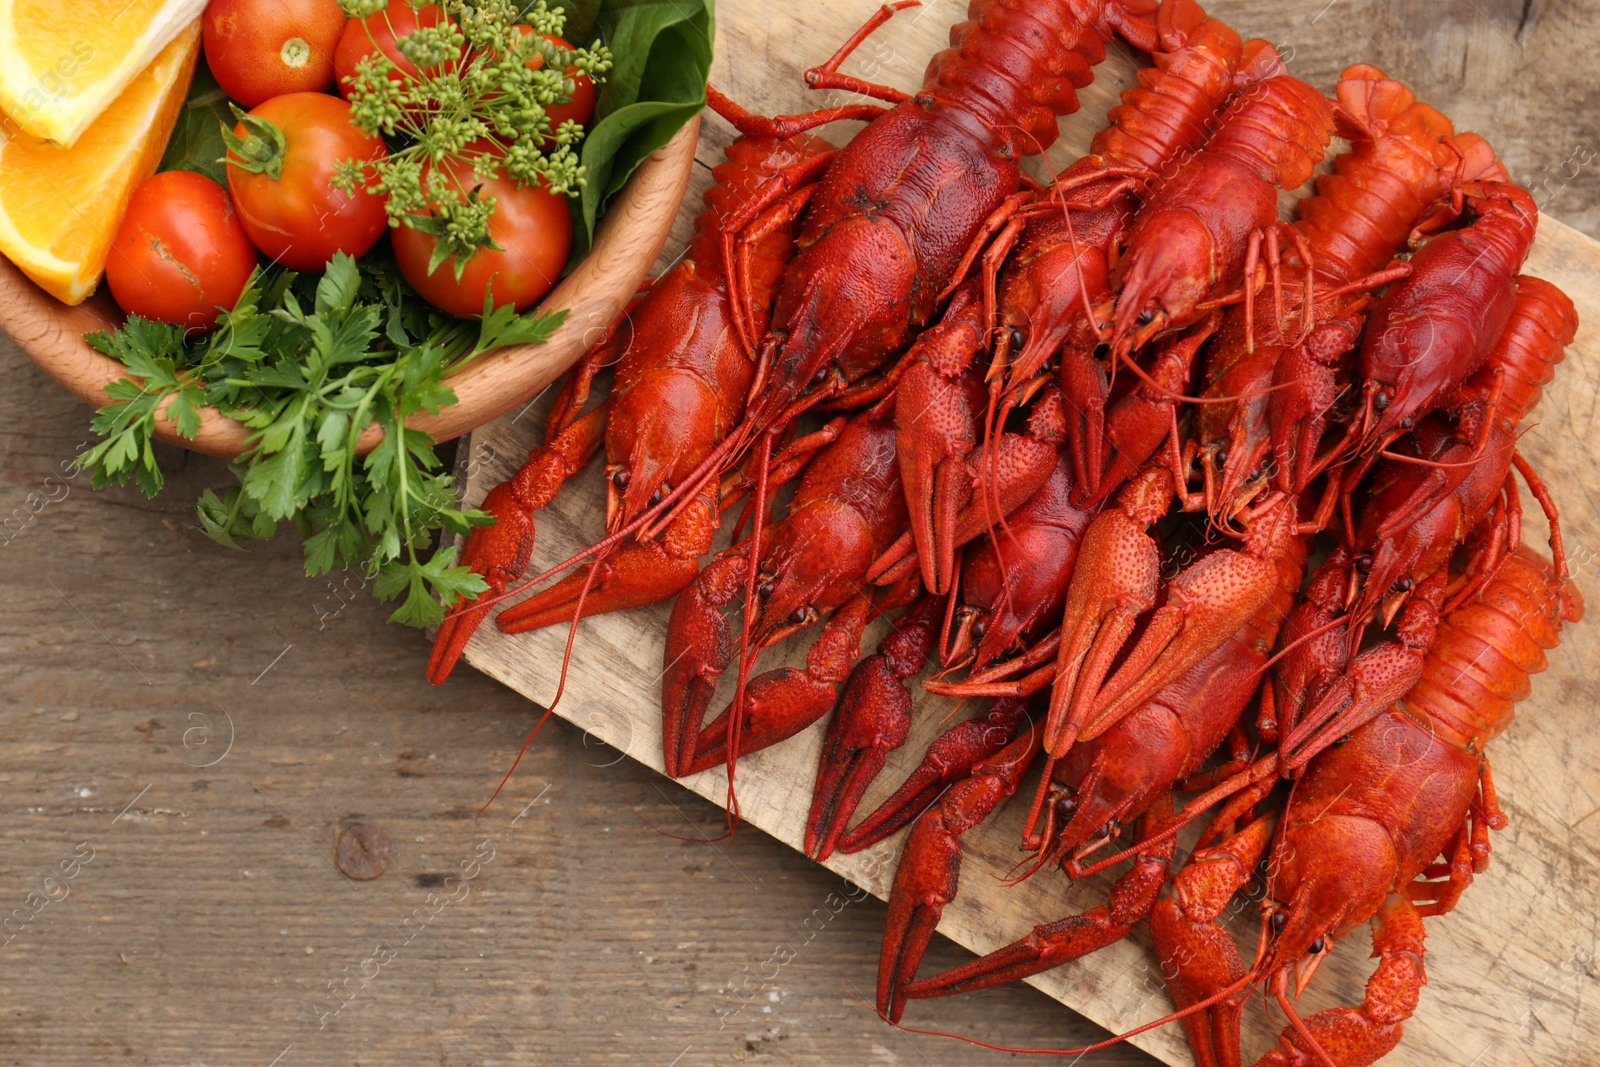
(181, 252)
(533, 228)
(282, 159)
(258, 49)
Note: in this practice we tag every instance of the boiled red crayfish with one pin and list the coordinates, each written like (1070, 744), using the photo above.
(1200, 239)
(1437, 325)
(1403, 157)
(680, 385)
(1361, 834)
(1422, 506)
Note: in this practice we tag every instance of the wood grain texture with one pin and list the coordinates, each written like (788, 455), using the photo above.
(210, 921)
(627, 241)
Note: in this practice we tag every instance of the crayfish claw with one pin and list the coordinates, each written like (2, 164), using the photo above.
(499, 554)
(698, 649)
(873, 719)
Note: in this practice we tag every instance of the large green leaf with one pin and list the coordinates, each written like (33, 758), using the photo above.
(196, 141)
(663, 52)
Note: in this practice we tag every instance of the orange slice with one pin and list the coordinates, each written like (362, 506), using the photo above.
(60, 207)
(62, 64)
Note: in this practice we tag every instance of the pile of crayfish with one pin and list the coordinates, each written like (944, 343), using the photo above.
(1130, 456)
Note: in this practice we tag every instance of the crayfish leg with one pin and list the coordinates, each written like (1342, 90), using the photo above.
(782, 702)
(1198, 957)
(873, 718)
(699, 647)
(631, 575)
(950, 758)
(827, 75)
(1052, 944)
(1115, 581)
(930, 866)
(499, 553)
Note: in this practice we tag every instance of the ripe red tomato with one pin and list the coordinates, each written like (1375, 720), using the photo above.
(258, 49)
(531, 224)
(375, 33)
(580, 108)
(298, 218)
(181, 252)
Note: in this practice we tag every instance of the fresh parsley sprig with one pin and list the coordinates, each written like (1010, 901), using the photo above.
(308, 362)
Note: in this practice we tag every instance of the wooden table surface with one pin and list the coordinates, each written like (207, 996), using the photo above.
(189, 729)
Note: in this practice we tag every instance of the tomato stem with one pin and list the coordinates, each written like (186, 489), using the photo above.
(260, 150)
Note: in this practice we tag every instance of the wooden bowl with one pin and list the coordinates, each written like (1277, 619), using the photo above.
(594, 294)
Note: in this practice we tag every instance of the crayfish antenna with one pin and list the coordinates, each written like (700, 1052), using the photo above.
(561, 687)
(1211, 1001)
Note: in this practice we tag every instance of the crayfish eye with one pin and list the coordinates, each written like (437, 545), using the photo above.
(1066, 807)
(1316, 947)
(1381, 401)
(1404, 584)
(621, 479)
(1364, 564)
(764, 590)
(978, 629)
(1279, 920)
(1145, 317)
(1018, 338)
(655, 497)
(1222, 458)
(820, 376)
(797, 616)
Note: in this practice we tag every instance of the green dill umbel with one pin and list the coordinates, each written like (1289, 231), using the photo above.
(308, 362)
(475, 100)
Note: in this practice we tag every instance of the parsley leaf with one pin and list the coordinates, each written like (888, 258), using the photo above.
(308, 362)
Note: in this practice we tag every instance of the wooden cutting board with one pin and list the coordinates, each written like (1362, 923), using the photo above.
(1507, 970)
